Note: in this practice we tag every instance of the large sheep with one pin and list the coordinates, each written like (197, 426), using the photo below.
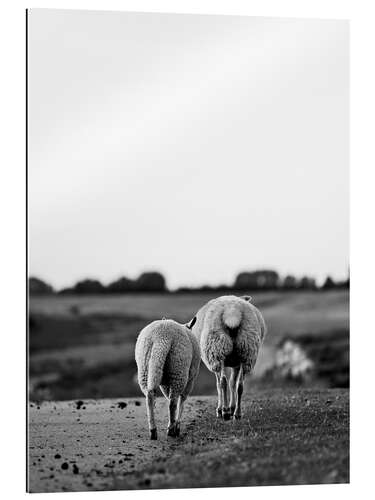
(230, 331)
(167, 356)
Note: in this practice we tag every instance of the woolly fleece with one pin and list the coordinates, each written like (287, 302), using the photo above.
(167, 356)
(230, 331)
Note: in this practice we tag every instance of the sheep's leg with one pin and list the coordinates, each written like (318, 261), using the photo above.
(224, 387)
(150, 404)
(172, 417)
(233, 389)
(219, 409)
(239, 384)
(181, 401)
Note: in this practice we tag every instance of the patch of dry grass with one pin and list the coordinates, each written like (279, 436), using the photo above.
(297, 437)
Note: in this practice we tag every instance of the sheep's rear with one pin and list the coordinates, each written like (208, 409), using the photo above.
(167, 356)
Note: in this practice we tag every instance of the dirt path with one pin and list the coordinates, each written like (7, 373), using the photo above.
(284, 437)
(92, 447)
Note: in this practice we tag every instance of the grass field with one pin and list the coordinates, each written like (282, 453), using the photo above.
(83, 346)
(285, 312)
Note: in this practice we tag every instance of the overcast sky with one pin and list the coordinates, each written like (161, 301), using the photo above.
(199, 146)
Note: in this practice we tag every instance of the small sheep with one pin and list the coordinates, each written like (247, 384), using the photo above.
(230, 331)
(167, 356)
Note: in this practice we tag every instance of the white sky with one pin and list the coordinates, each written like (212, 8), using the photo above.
(199, 146)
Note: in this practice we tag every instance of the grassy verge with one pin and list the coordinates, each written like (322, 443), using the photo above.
(284, 438)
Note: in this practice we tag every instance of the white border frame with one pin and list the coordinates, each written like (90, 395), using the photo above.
(12, 32)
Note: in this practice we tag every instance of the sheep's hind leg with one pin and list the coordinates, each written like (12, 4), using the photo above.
(233, 389)
(172, 417)
(150, 404)
(224, 389)
(219, 409)
(181, 401)
(239, 384)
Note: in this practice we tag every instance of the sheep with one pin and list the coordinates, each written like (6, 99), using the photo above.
(230, 331)
(167, 356)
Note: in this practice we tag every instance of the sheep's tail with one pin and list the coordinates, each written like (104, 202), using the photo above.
(232, 316)
(156, 364)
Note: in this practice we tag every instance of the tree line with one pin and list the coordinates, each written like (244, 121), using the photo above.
(262, 280)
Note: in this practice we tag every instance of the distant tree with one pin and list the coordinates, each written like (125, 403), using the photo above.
(290, 282)
(88, 286)
(151, 282)
(329, 284)
(122, 285)
(307, 283)
(263, 279)
(245, 280)
(39, 287)
(347, 282)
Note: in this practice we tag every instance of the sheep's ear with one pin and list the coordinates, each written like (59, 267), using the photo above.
(192, 323)
(247, 298)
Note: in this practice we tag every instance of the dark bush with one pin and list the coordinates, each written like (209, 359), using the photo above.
(122, 285)
(263, 279)
(150, 282)
(307, 283)
(290, 282)
(88, 287)
(329, 284)
(39, 287)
